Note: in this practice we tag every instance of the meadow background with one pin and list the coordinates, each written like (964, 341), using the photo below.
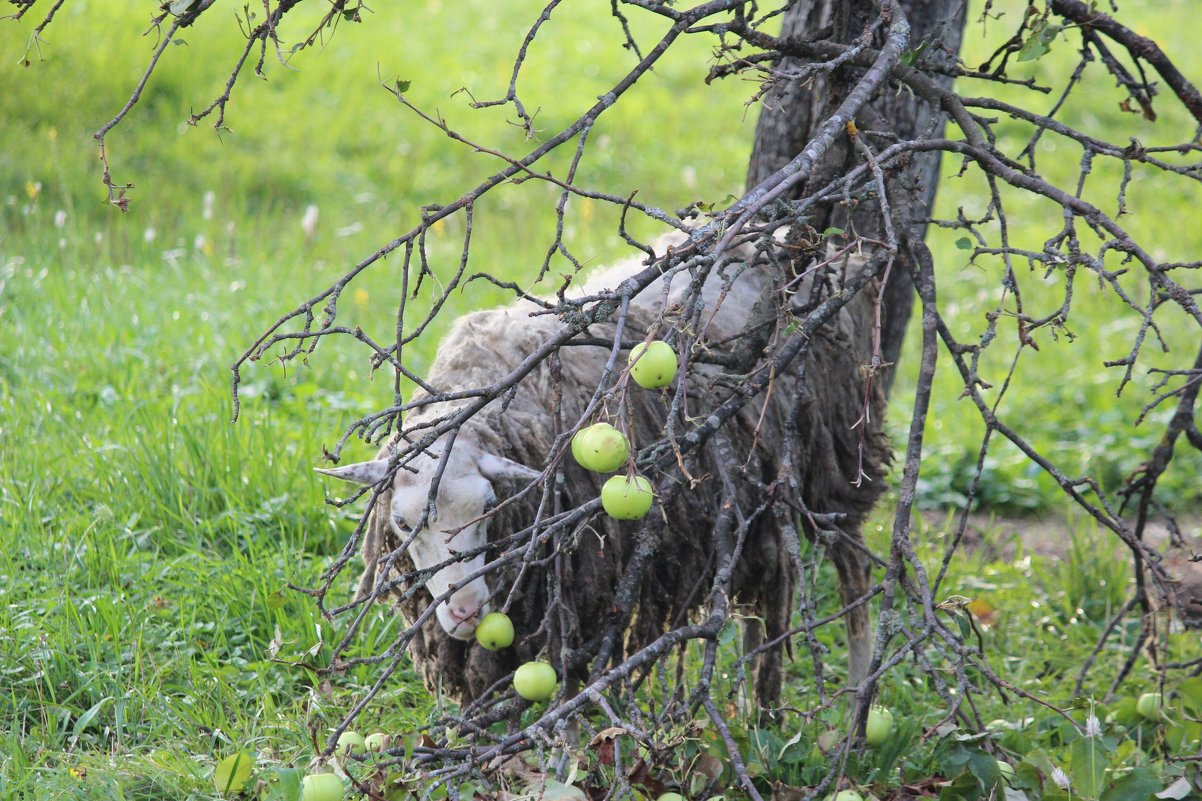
(145, 541)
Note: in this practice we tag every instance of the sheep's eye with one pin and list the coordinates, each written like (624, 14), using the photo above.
(401, 525)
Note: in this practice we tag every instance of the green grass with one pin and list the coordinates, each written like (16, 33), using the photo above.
(145, 542)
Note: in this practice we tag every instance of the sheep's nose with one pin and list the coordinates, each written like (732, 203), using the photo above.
(463, 612)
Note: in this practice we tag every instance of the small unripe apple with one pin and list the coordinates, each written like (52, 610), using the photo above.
(879, 726)
(1006, 769)
(377, 742)
(600, 448)
(652, 365)
(1148, 706)
(495, 631)
(322, 787)
(846, 795)
(350, 742)
(671, 797)
(535, 681)
(627, 499)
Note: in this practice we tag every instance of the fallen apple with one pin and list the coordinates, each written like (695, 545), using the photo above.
(627, 499)
(535, 681)
(879, 726)
(350, 742)
(1148, 706)
(495, 631)
(322, 787)
(848, 795)
(377, 742)
(652, 365)
(670, 797)
(600, 448)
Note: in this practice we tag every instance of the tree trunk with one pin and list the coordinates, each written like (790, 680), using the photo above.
(792, 113)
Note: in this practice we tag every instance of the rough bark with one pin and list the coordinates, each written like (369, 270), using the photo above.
(792, 113)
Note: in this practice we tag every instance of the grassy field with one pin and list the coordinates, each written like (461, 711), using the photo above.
(145, 542)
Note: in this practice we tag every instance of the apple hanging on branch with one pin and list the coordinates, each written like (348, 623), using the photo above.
(627, 498)
(652, 365)
(535, 681)
(600, 448)
(495, 631)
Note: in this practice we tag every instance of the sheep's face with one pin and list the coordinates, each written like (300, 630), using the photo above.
(451, 527)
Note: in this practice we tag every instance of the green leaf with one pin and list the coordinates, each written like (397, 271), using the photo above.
(232, 773)
(910, 56)
(277, 599)
(1088, 766)
(1190, 691)
(984, 768)
(964, 243)
(82, 722)
(1138, 785)
(730, 630)
(1039, 43)
(403, 86)
(832, 231)
(286, 786)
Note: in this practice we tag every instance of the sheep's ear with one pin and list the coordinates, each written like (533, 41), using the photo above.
(360, 473)
(498, 468)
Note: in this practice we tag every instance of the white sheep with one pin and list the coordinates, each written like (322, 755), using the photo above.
(615, 586)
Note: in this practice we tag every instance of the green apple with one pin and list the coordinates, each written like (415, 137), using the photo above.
(879, 726)
(671, 797)
(377, 742)
(495, 631)
(846, 795)
(652, 365)
(350, 742)
(1006, 769)
(627, 499)
(1148, 706)
(535, 681)
(322, 787)
(600, 448)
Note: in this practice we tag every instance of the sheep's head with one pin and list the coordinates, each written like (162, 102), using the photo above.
(452, 527)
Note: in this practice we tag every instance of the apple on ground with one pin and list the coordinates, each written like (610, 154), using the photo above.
(495, 631)
(350, 742)
(322, 787)
(846, 795)
(377, 742)
(535, 681)
(1149, 705)
(600, 448)
(627, 499)
(652, 365)
(670, 797)
(879, 726)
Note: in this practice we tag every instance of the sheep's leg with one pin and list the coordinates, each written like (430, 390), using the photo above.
(853, 572)
(753, 638)
(769, 662)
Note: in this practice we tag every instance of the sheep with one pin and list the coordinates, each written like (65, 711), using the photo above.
(605, 594)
